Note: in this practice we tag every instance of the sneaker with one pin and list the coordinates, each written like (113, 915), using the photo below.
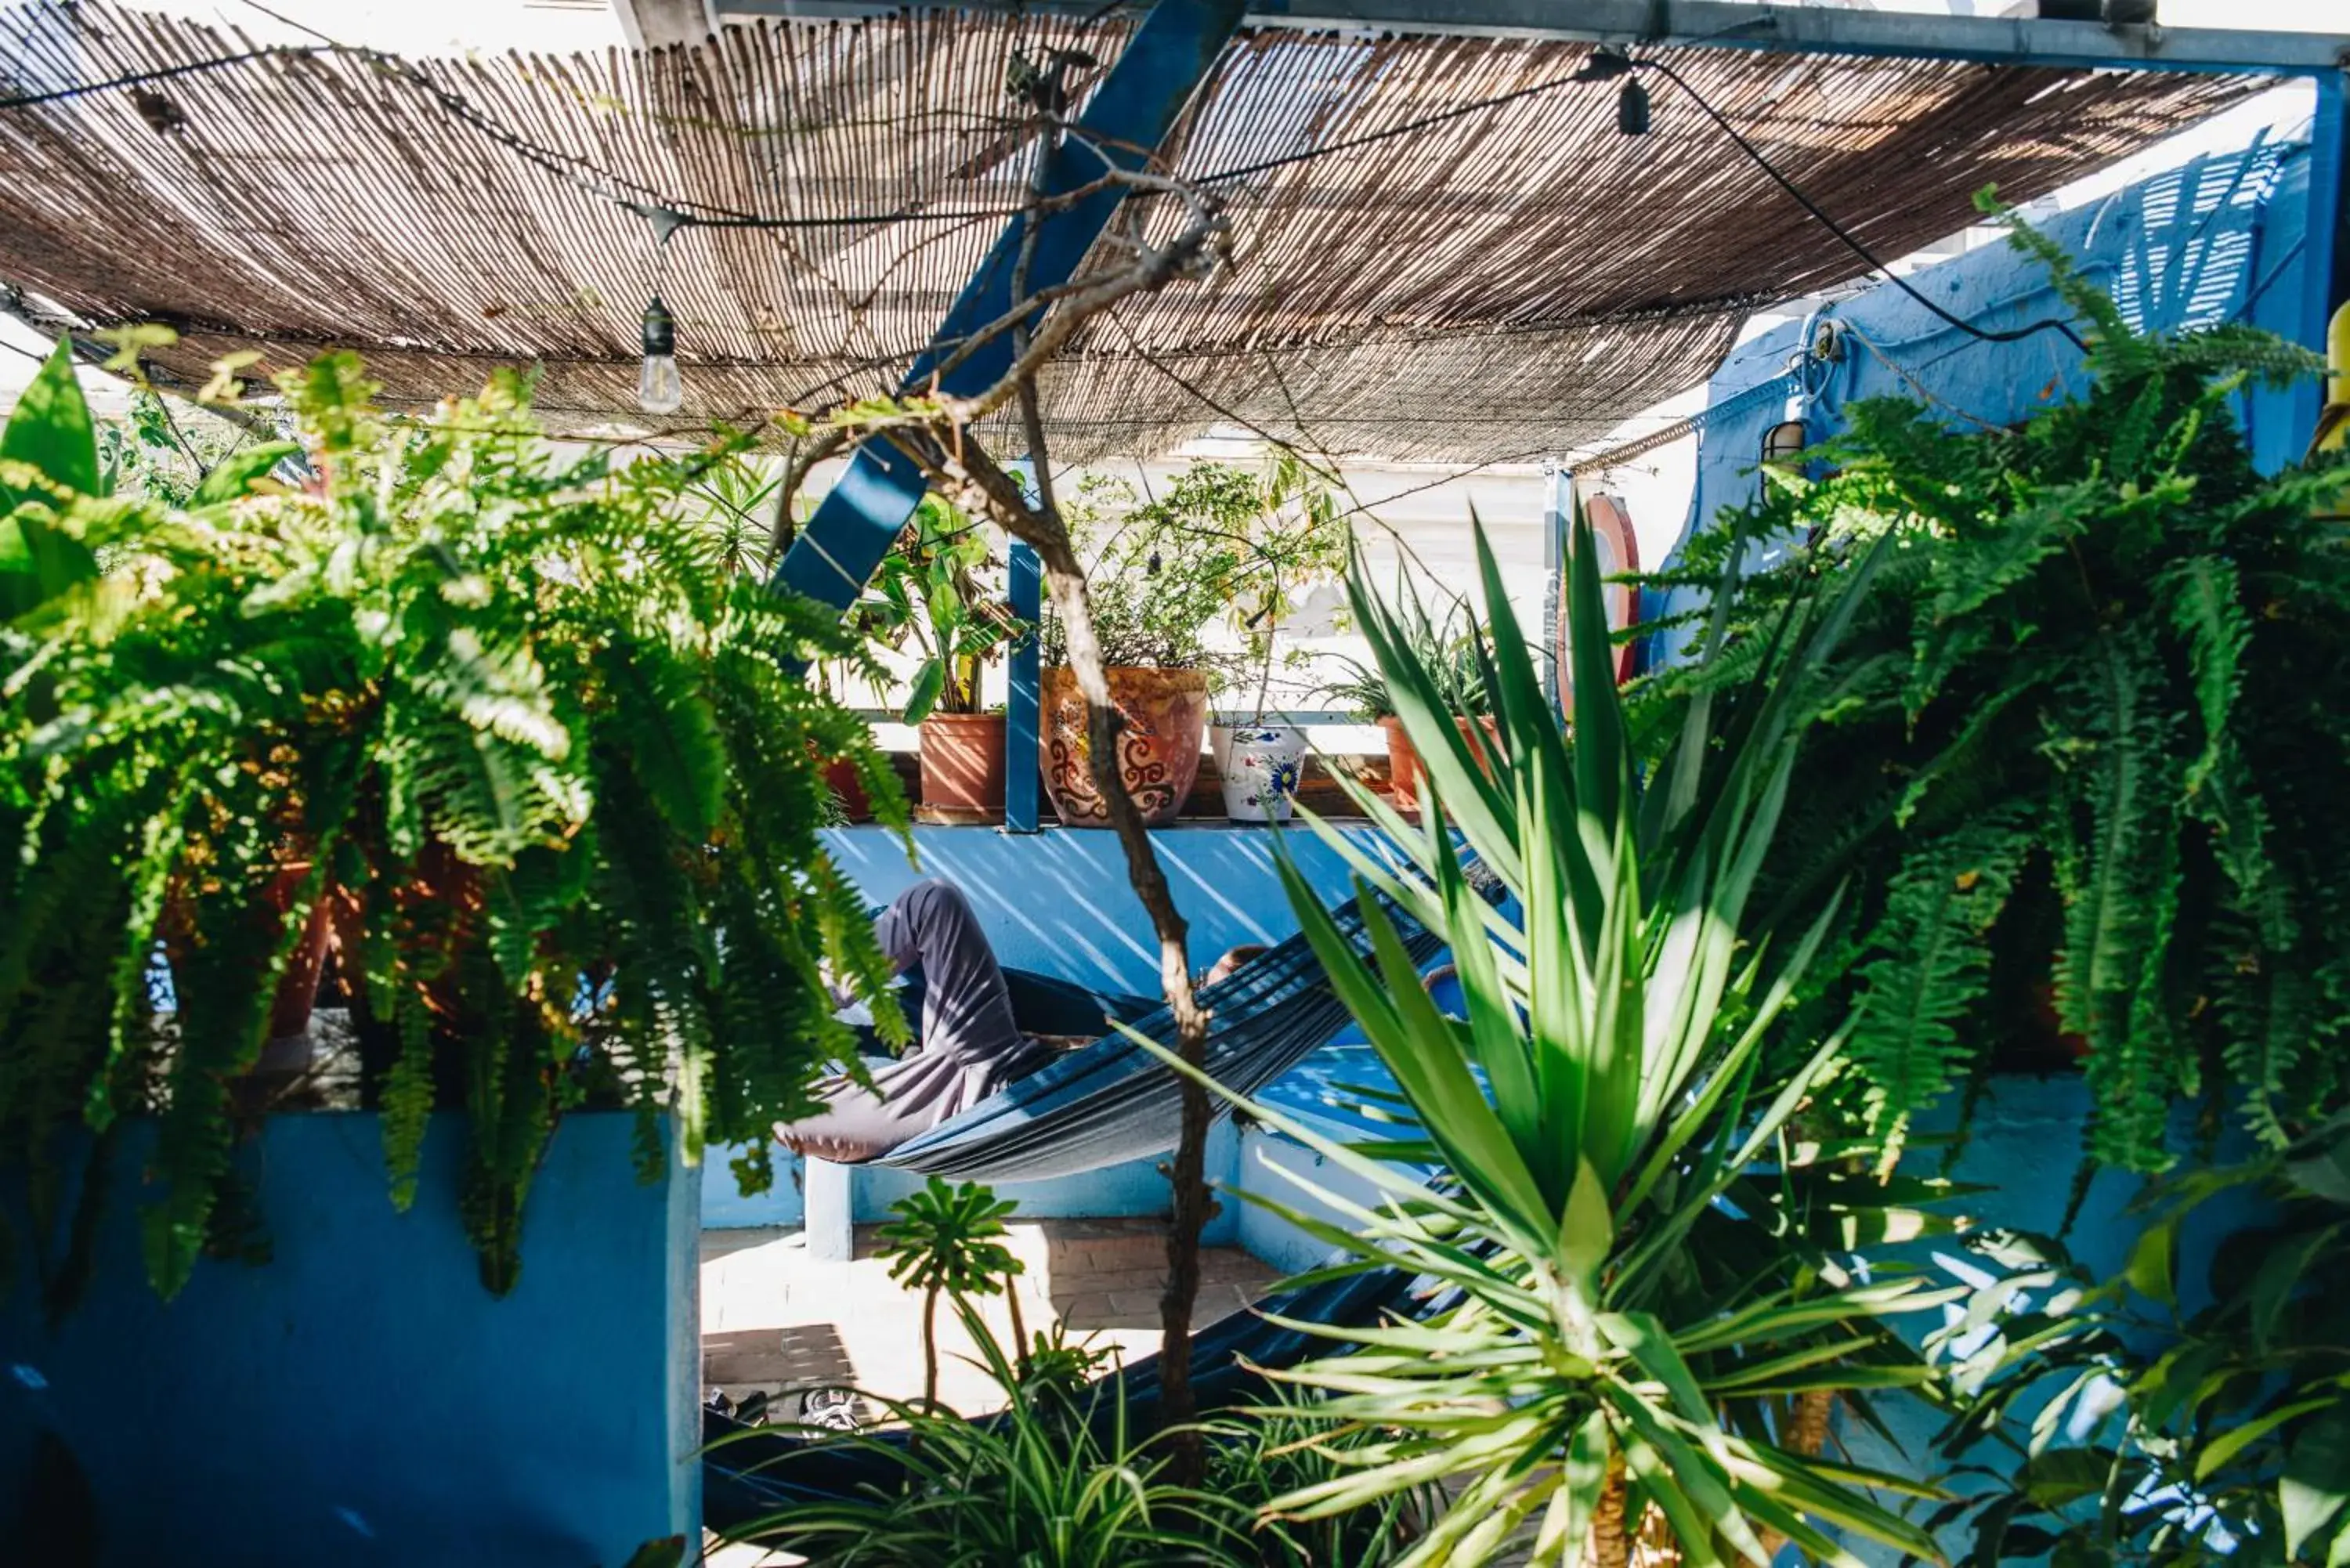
(829, 1409)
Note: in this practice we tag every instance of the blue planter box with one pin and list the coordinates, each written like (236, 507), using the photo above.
(360, 1398)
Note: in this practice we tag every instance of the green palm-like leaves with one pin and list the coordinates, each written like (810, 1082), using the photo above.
(1637, 1289)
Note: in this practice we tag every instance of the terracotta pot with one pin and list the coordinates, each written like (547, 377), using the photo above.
(1260, 765)
(962, 769)
(1165, 715)
(841, 778)
(298, 986)
(1403, 758)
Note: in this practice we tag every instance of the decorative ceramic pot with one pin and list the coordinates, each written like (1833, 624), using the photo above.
(1165, 715)
(1261, 764)
(962, 769)
(1403, 758)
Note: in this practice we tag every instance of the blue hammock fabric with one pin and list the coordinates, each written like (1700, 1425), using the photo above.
(750, 1471)
(1111, 1101)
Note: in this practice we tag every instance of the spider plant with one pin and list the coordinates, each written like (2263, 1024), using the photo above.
(1445, 649)
(1058, 1480)
(1649, 1265)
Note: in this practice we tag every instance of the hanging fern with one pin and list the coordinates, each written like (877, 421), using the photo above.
(1928, 967)
(496, 707)
(2108, 756)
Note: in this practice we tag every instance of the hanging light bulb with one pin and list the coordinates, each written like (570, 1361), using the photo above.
(1632, 108)
(660, 389)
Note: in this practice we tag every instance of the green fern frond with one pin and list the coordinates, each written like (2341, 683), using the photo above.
(1929, 963)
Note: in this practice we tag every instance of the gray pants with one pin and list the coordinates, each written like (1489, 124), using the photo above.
(969, 1046)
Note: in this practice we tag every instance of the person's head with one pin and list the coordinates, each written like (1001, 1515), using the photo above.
(1232, 960)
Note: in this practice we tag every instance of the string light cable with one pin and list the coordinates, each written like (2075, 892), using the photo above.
(1601, 65)
(1983, 334)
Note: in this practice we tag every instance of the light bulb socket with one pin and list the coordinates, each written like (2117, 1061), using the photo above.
(1632, 108)
(1602, 65)
(661, 329)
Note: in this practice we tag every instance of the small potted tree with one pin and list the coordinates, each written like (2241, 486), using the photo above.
(1155, 589)
(1288, 526)
(942, 590)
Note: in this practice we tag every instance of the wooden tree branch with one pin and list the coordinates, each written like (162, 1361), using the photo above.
(936, 432)
(968, 476)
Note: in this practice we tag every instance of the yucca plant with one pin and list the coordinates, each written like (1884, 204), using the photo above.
(1649, 1262)
(494, 707)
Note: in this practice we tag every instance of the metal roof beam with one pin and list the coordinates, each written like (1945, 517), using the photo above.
(1730, 23)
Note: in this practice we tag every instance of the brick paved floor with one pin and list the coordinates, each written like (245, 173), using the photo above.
(774, 1321)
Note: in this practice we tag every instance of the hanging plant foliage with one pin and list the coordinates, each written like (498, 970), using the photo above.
(544, 764)
(2081, 769)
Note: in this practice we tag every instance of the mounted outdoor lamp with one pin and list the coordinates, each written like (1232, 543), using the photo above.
(1786, 441)
(660, 389)
(1820, 347)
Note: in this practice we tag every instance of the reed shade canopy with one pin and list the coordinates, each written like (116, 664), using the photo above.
(1510, 282)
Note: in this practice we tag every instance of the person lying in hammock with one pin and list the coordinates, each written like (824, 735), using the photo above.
(969, 1046)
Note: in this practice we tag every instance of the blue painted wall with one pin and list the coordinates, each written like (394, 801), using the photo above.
(2025, 1145)
(1058, 903)
(2221, 238)
(360, 1399)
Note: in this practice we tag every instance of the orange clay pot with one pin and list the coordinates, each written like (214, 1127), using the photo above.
(962, 769)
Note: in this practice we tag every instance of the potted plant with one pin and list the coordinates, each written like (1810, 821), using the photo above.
(1287, 527)
(942, 590)
(2074, 789)
(488, 706)
(1448, 650)
(1155, 585)
(727, 509)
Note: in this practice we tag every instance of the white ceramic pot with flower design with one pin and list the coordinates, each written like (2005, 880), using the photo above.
(1261, 765)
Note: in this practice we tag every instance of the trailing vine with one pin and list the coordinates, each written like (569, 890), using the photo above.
(2084, 747)
(548, 768)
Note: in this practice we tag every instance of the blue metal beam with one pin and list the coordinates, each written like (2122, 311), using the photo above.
(1732, 24)
(1024, 707)
(2325, 261)
(1167, 57)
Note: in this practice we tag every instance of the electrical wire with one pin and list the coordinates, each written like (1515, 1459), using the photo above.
(164, 72)
(680, 213)
(1985, 334)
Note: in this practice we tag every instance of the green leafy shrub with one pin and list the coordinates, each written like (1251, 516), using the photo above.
(1160, 573)
(1058, 1481)
(942, 588)
(2082, 747)
(2159, 1435)
(494, 708)
(1650, 1271)
(1060, 1476)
